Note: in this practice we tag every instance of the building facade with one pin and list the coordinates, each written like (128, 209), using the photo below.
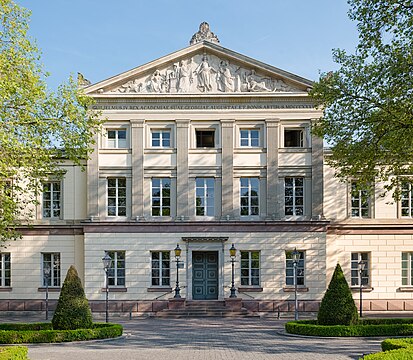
(205, 148)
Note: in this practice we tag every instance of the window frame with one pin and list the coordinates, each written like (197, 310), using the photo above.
(209, 130)
(55, 277)
(116, 140)
(161, 196)
(208, 200)
(408, 200)
(362, 197)
(295, 206)
(301, 137)
(289, 268)
(161, 269)
(52, 201)
(113, 271)
(250, 269)
(161, 138)
(355, 280)
(249, 139)
(116, 197)
(409, 268)
(5, 267)
(249, 197)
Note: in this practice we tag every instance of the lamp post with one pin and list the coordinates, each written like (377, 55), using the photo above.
(296, 258)
(361, 266)
(233, 254)
(107, 261)
(177, 257)
(46, 272)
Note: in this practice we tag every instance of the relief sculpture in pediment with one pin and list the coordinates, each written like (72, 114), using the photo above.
(206, 74)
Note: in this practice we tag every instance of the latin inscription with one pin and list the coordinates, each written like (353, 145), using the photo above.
(201, 107)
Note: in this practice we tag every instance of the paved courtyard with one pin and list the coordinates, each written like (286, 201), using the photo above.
(216, 338)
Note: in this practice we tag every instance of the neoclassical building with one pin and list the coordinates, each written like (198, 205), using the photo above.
(206, 148)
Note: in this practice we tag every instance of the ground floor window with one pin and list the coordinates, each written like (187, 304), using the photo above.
(5, 270)
(161, 273)
(289, 268)
(51, 269)
(407, 268)
(116, 272)
(250, 268)
(356, 276)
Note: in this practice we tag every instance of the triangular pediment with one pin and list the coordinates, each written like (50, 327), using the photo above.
(202, 68)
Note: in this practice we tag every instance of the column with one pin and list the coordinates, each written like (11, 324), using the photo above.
(274, 193)
(182, 169)
(227, 170)
(137, 146)
(317, 158)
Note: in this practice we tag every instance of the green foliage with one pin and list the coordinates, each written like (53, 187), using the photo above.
(38, 127)
(402, 354)
(392, 344)
(41, 333)
(368, 107)
(13, 353)
(337, 306)
(72, 311)
(388, 327)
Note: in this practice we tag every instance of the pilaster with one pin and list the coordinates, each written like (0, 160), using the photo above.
(137, 146)
(182, 168)
(274, 210)
(317, 158)
(227, 129)
(93, 181)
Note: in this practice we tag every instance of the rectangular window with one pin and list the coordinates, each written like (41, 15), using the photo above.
(249, 138)
(294, 196)
(355, 273)
(205, 204)
(249, 196)
(116, 272)
(161, 197)
(407, 269)
(289, 269)
(116, 138)
(5, 270)
(205, 138)
(51, 261)
(51, 200)
(161, 138)
(161, 273)
(294, 138)
(250, 268)
(116, 197)
(407, 200)
(360, 202)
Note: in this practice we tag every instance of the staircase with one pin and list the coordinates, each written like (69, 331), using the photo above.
(203, 308)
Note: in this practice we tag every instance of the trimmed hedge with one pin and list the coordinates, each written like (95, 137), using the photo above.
(392, 344)
(43, 333)
(368, 327)
(13, 353)
(400, 354)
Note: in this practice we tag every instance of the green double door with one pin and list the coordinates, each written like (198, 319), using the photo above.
(205, 275)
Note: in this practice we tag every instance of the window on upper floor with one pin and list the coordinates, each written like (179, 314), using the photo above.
(360, 202)
(51, 269)
(205, 138)
(205, 196)
(116, 139)
(249, 196)
(249, 138)
(161, 268)
(250, 268)
(5, 269)
(116, 272)
(407, 268)
(161, 138)
(116, 197)
(294, 138)
(289, 268)
(294, 196)
(406, 200)
(51, 204)
(161, 197)
(356, 274)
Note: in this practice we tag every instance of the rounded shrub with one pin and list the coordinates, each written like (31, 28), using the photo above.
(337, 306)
(72, 311)
(13, 353)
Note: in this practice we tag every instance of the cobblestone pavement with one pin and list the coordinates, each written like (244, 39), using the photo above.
(206, 339)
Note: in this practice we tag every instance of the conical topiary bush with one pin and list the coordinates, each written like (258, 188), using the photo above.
(72, 311)
(337, 306)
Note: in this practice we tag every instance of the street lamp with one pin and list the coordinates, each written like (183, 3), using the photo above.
(46, 272)
(361, 266)
(233, 254)
(177, 256)
(296, 257)
(107, 261)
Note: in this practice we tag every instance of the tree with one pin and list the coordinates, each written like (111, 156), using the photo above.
(72, 311)
(337, 306)
(368, 102)
(38, 127)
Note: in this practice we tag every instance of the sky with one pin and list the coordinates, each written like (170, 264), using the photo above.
(103, 38)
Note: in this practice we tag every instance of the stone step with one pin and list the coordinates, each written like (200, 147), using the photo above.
(183, 313)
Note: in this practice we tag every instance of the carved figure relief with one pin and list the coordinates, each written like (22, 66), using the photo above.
(204, 73)
(204, 33)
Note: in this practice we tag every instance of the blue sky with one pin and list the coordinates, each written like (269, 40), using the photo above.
(102, 38)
